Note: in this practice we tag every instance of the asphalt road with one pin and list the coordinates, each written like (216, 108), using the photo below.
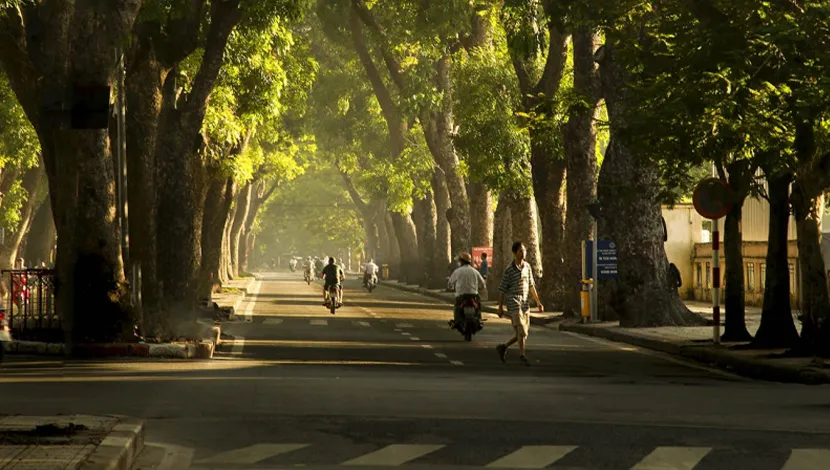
(385, 383)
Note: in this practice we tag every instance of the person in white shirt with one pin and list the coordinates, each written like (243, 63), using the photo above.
(467, 282)
(369, 271)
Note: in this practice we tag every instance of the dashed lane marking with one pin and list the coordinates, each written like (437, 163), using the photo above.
(457, 363)
(319, 322)
(673, 458)
(441, 355)
(253, 454)
(532, 457)
(415, 338)
(394, 455)
(426, 346)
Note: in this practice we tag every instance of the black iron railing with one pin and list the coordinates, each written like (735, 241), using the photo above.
(30, 305)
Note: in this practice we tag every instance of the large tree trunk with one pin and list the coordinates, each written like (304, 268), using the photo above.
(395, 260)
(34, 183)
(384, 256)
(443, 245)
(481, 215)
(815, 316)
(42, 236)
(425, 218)
(259, 195)
(628, 189)
(411, 265)
(57, 45)
(548, 176)
(777, 329)
(502, 241)
(523, 216)
(244, 205)
(217, 205)
(225, 267)
(580, 135)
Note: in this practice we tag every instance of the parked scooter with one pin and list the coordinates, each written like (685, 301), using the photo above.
(470, 322)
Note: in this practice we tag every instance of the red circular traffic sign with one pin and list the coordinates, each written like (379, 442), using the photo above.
(713, 198)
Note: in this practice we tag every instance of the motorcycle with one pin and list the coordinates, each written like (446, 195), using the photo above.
(470, 322)
(371, 283)
(331, 298)
(307, 276)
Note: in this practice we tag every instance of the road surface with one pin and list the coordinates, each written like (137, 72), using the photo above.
(384, 383)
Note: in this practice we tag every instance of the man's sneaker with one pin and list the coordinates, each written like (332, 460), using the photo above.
(524, 359)
(502, 349)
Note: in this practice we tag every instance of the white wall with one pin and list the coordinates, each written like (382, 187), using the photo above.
(684, 226)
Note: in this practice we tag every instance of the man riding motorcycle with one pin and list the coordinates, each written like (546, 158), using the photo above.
(467, 282)
(333, 276)
(369, 272)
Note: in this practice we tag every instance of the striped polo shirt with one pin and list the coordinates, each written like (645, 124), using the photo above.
(515, 285)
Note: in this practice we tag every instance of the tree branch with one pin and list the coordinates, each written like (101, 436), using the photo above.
(555, 63)
(183, 37)
(14, 58)
(347, 181)
(391, 63)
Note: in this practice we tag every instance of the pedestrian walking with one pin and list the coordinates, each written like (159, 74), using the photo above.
(515, 286)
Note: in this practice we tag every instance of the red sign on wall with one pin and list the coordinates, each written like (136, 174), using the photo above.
(477, 251)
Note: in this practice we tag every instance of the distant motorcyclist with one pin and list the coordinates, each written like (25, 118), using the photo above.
(319, 265)
(333, 276)
(467, 282)
(370, 271)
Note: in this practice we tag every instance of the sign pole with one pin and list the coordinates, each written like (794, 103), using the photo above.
(594, 271)
(715, 281)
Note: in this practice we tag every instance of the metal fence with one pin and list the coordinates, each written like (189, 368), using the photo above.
(30, 306)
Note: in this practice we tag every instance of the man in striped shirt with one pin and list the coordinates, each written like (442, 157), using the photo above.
(515, 286)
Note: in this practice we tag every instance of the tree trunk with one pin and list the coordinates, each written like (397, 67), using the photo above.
(217, 205)
(777, 329)
(502, 241)
(735, 327)
(258, 196)
(524, 229)
(425, 218)
(481, 215)
(41, 238)
(443, 244)
(384, 237)
(815, 312)
(548, 176)
(580, 135)
(243, 202)
(628, 190)
(225, 268)
(395, 261)
(411, 265)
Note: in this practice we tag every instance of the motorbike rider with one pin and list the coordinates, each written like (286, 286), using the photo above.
(333, 276)
(467, 282)
(318, 267)
(369, 272)
(307, 267)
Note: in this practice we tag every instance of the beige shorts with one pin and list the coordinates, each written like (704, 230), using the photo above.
(521, 322)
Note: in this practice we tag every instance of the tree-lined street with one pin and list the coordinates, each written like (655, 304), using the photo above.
(305, 387)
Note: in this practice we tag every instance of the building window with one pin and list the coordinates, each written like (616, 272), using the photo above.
(708, 275)
(750, 277)
(792, 279)
(763, 276)
(700, 275)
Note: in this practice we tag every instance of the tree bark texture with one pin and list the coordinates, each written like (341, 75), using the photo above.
(548, 176)
(502, 241)
(384, 237)
(48, 47)
(243, 201)
(408, 245)
(395, 255)
(225, 269)
(260, 194)
(777, 329)
(524, 229)
(425, 218)
(40, 242)
(443, 245)
(481, 215)
(217, 205)
(579, 138)
(181, 174)
(627, 190)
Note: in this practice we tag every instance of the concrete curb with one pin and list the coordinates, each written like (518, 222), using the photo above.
(119, 450)
(534, 320)
(712, 355)
(199, 350)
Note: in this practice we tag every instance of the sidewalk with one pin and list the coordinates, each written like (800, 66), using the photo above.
(80, 442)
(489, 306)
(695, 343)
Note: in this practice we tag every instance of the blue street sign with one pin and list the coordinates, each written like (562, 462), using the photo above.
(606, 259)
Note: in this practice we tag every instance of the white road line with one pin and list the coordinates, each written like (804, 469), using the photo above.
(426, 346)
(252, 454)
(532, 457)
(319, 322)
(457, 363)
(406, 333)
(415, 338)
(175, 457)
(393, 455)
(397, 329)
(673, 458)
(272, 321)
(238, 345)
(441, 355)
(249, 308)
(808, 459)
(362, 323)
(404, 325)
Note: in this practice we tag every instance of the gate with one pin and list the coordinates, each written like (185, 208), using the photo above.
(30, 306)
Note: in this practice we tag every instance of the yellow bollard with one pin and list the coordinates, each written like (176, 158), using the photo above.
(585, 298)
(385, 272)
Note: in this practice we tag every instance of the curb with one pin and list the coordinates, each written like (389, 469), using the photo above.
(200, 350)
(538, 321)
(118, 451)
(711, 355)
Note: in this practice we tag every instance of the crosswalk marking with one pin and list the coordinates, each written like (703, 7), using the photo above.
(404, 325)
(532, 457)
(393, 455)
(272, 321)
(673, 458)
(253, 454)
(362, 323)
(319, 322)
(808, 459)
